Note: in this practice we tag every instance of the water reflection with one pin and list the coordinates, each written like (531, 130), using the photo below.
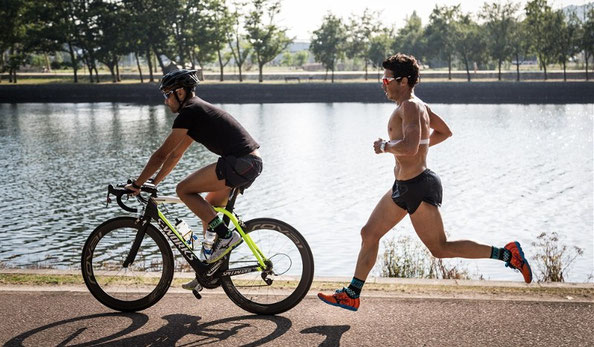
(509, 172)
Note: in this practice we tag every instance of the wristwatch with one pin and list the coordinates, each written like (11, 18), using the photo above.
(383, 146)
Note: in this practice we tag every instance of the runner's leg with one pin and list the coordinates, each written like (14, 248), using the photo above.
(429, 227)
(383, 218)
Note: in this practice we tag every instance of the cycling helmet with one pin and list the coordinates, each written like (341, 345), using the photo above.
(179, 79)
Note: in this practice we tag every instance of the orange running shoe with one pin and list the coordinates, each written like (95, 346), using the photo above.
(518, 261)
(340, 299)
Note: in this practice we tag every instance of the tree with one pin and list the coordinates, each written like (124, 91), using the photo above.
(543, 30)
(328, 42)
(520, 46)
(240, 47)
(410, 39)
(586, 37)
(499, 23)
(470, 42)
(222, 23)
(379, 48)
(360, 31)
(111, 38)
(13, 32)
(567, 38)
(267, 39)
(441, 33)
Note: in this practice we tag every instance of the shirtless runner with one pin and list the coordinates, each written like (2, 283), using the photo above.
(417, 190)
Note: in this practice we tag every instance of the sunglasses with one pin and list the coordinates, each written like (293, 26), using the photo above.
(387, 80)
(166, 95)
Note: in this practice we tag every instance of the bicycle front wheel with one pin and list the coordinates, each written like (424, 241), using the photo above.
(290, 268)
(137, 286)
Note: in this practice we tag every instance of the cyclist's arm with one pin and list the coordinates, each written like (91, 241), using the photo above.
(173, 159)
(172, 141)
(441, 131)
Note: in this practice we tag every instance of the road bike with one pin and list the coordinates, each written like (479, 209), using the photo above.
(128, 265)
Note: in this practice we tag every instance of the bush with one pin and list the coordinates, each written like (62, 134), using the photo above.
(554, 259)
(407, 258)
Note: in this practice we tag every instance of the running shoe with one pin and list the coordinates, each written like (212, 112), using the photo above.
(518, 261)
(223, 246)
(340, 299)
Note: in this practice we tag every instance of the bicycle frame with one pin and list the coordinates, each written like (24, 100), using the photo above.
(152, 212)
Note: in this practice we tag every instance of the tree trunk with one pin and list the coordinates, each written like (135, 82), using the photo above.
(587, 77)
(517, 67)
(326, 77)
(241, 77)
(150, 65)
(14, 76)
(117, 65)
(260, 68)
(467, 68)
(332, 80)
(499, 78)
(73, 62)
(138, 65)
(449, 67)
(220, 64)
(160, 62)
(113, 75)
(96, 73)
(48, 67)
(545, 71)
(564, 72)
(90, 67)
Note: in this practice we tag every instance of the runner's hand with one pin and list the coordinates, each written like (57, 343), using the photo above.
(377, 146)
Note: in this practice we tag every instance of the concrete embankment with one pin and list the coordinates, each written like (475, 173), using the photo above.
(431, 92)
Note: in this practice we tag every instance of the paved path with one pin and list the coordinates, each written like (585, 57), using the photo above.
(50, 318)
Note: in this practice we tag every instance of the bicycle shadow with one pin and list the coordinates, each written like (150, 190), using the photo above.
(179, 327)
(138, 320)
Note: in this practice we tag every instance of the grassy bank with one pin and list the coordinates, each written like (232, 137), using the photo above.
(382, 286)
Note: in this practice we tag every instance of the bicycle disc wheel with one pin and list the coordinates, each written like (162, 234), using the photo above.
(142, 283)
(291, 264)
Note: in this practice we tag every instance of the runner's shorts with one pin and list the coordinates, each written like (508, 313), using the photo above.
(410, 193)
(239, 172)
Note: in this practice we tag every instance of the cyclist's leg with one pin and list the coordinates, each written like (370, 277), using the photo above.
(218, 199)
(428, 225)
(201, 181)
(383, 218)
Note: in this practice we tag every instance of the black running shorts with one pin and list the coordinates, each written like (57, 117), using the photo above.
(410, 193)
(239, 172)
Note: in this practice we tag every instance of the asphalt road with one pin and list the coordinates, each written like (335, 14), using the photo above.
(74, 318)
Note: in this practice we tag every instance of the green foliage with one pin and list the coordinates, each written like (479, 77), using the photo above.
(328, 43)
(470, 42)
(543, 27)
(500, 20)
(411, 38)
(266, 38)
(441, 33)
(554, 258)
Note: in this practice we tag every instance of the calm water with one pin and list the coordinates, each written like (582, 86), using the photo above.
(509, 172)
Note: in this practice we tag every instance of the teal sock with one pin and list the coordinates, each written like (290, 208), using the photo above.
(501, 254)
(219, 227)
(354, 289)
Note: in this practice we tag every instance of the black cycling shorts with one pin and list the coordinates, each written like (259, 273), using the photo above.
(410, 193)
(239, 172)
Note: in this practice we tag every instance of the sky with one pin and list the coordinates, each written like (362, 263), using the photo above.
(302, 17)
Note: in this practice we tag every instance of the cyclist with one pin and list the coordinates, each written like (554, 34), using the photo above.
(417, 190)
(238, 166)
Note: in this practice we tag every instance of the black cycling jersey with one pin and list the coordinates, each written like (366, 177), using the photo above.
(216, 129)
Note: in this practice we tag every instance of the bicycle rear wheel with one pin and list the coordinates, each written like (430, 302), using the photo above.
(291, 267)
(136, 287)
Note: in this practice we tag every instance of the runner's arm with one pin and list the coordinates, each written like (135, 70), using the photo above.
(173, 159)
(175, 138)
(441, 131)
(411, 130)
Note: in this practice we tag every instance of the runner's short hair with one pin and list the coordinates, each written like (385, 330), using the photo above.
(403, 65)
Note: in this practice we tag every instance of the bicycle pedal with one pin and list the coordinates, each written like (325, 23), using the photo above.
(197, 294)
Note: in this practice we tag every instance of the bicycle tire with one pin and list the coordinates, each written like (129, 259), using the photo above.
(276, 232)
(91, 258)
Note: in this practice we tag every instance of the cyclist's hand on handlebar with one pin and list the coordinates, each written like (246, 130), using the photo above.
(130, 187)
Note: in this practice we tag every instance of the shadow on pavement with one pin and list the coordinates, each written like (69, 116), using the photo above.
(333, 333)
(83, 331)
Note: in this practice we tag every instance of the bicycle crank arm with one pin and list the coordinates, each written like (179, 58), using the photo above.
(135, 245)
(241, 270)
